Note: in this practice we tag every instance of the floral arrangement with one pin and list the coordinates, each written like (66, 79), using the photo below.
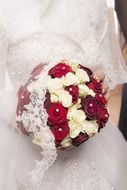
(74, 107)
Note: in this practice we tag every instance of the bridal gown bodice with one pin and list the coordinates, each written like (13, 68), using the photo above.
(39, 31)
(51, 30)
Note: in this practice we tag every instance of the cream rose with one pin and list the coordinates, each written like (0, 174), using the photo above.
(90, 127)
(82, 75)
(84, 90)
(74, 66)
(66, 142)
(76, 119)
(65, 98)
(70, 79)
(54, 85)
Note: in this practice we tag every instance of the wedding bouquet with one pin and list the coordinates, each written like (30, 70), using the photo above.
(66, 99)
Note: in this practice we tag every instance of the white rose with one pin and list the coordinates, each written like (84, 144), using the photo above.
(65, 98)
(54, 84)
(54, 98)
(74, 66)
(78, 104)
(66, 142)
(82, 75)
(84, 90)
(70, 79)
(75, 128)
(77, 118)
(90, 127)
(91, 92)
(76, 115)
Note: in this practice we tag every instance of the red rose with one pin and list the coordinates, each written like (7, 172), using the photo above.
(95, 86)
(57, 114)
(59, 70)
(89, 71)
(60, 131)
(47, 102)
(82, 137)
(74, 91)
(23, 99)
(37, 70)
(101, 99)
(90, 107)
(102, 115)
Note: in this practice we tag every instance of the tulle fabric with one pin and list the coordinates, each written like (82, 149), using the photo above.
(83, 24)
(100, 163)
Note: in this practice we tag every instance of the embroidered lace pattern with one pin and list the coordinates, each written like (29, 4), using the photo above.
(35, 122)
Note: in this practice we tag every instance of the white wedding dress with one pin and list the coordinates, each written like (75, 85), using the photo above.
(39, 31)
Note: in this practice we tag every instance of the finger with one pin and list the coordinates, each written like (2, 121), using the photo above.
(105, 88)
(107, 95)
(98, 75)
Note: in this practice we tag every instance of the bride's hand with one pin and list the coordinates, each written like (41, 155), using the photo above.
(105, 88)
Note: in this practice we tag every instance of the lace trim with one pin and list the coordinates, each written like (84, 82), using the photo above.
(35, 122)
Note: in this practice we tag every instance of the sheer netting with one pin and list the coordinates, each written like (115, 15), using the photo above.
(40, 31)
(80, 24)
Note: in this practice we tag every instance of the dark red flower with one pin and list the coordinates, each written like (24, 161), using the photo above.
(59, 70)
(47, 102)
(90, 107)
(82, 137)
(57, 114)
(60, 131)
(37, 70)
(102, 115)
(101, 99)
(89, 71)
(101, 125)
(95, 86)
(23, 99)
(57, 143)
(74, 91)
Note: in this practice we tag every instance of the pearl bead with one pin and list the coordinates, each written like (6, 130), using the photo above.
(70, 89)
(91, 105)
(100, 95)
(106, 115)
(60, 129)
(63, 68)
(57, 110)
(22, 97)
